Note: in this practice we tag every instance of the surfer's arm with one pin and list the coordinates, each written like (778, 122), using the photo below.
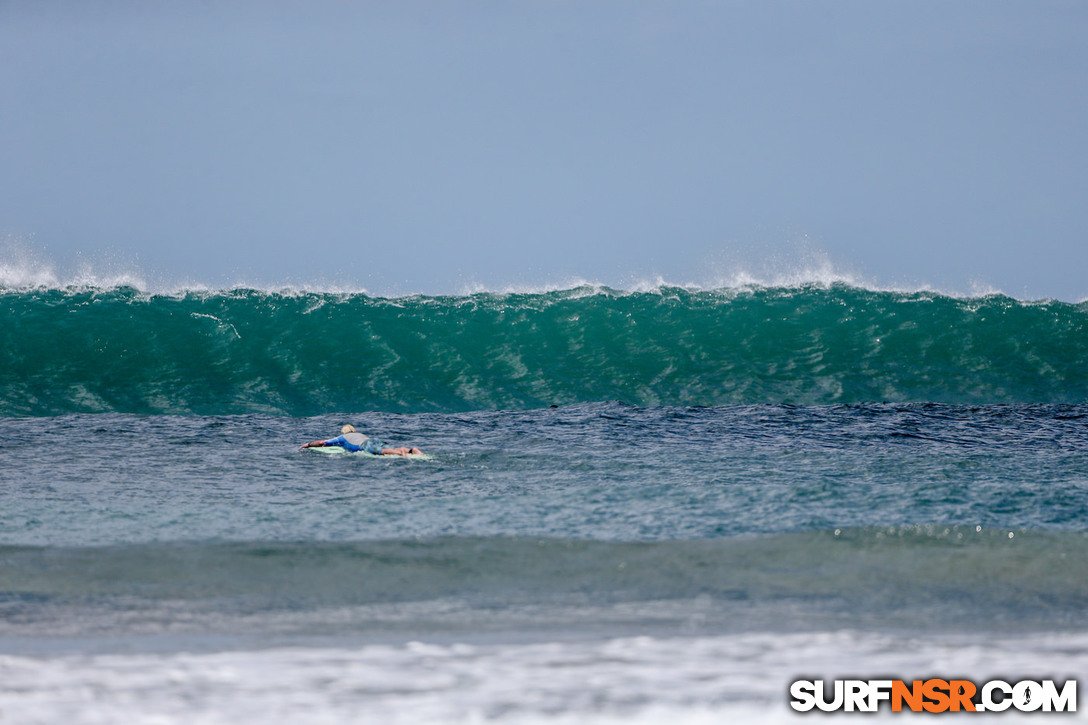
(340, 441)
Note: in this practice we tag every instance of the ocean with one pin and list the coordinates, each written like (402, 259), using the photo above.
(649, 506)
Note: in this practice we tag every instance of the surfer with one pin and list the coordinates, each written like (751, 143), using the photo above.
(352, 441)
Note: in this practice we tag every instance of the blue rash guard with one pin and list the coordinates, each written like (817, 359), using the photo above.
(356, 442)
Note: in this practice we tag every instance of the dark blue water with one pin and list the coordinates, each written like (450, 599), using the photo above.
(759, 508)
(604, 471)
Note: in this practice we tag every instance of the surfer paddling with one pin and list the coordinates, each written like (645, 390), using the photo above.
(354, 442)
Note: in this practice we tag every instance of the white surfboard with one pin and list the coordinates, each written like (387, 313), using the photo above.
(337, 450)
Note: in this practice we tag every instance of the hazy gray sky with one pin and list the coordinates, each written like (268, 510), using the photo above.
(429, 146)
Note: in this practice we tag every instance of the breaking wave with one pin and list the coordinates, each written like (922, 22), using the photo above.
(95, 349)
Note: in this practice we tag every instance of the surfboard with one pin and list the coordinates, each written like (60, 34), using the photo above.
(337, 450)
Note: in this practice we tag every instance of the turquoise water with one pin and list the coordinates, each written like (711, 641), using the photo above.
(247, 351)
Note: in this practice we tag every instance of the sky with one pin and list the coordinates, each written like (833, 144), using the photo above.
(442, 147)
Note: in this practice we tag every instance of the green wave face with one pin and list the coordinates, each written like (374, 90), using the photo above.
(249, 351)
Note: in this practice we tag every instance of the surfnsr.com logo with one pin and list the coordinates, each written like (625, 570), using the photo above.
(933, 695)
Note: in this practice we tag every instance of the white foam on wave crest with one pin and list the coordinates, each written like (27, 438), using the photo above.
(22, 277)
(740, 280)
(804, 264)
(18, 277)
(805, 269)
(695, 680)
(25, 276)
(284, 289)
(579, 285)
(22, 269)
(823, 275)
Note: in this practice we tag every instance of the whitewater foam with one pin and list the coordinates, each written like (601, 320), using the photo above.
(741, 678)
(23, 269)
